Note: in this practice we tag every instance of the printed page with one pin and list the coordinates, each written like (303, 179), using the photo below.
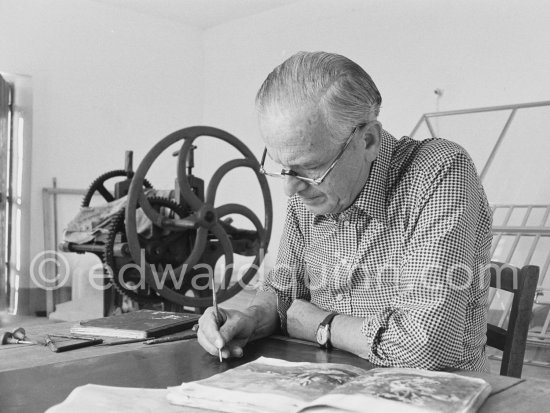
(267, 385)
(407, 390)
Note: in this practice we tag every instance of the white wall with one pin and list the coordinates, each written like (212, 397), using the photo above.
(481, 53)
(105, 80)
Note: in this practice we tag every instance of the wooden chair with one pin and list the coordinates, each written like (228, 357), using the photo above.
(522, 282)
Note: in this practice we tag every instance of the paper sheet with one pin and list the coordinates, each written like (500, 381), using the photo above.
(93, 398)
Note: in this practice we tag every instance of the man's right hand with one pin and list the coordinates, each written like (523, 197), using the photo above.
(238, 327)
(235, 331)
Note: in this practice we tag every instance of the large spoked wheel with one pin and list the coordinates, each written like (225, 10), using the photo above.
(204, 219)
(97, 187)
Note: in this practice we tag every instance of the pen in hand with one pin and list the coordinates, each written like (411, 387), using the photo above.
(216, 314)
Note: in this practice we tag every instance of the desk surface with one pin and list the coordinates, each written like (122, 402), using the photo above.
(32, 378)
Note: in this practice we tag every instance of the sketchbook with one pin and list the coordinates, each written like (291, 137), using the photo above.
(273, 385)
(137, 324)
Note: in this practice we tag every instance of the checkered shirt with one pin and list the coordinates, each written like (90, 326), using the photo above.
(409, 257)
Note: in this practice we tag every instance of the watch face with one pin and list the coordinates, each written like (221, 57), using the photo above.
(322, 335)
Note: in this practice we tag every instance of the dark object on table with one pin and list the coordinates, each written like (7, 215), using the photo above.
(137, 324)
(58, 344)
(17, 336)
(169, 339)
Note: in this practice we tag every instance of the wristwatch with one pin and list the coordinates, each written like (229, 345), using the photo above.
(323, 331)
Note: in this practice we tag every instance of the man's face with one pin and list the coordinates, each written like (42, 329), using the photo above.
(300, 141)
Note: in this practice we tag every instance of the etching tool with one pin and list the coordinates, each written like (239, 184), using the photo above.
(8, 338)
(74, 337)
(169, 339)
(216, 314)
(127, 341)
(71, 344)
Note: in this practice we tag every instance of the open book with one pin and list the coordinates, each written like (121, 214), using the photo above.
(273, 385)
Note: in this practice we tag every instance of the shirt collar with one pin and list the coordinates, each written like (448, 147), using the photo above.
(372, 199)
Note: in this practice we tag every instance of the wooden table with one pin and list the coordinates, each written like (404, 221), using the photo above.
(32, 378)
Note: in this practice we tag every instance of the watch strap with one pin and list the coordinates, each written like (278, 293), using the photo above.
(328, 319)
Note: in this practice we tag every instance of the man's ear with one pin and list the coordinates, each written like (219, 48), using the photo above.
(371, 137)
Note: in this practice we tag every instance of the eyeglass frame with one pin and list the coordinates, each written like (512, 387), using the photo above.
(311, 181)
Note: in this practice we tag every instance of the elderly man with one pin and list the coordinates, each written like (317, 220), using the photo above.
(386, 241)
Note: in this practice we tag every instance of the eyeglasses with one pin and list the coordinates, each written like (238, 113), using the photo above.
(311, 181)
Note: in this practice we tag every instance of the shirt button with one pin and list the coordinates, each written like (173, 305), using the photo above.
(339, 297)
(346, 223)
(343, 261)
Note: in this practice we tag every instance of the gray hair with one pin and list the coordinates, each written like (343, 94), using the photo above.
(343, 91)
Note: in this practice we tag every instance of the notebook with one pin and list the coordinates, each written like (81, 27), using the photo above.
(137, 324)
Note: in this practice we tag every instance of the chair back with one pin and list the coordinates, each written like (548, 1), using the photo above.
(522, 282)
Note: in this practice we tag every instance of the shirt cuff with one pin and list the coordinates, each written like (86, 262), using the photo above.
(283, 304)
(372, 328)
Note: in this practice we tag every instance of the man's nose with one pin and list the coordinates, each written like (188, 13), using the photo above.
(293, 185)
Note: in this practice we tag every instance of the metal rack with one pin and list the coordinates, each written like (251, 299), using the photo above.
(521, 231)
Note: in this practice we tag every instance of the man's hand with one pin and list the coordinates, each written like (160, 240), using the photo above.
(236, 329)
(259, 319)
(303, 318)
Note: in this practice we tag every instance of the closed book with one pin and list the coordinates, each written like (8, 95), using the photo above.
(137, 324)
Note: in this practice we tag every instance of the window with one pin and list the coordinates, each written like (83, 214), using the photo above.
(15, 122)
